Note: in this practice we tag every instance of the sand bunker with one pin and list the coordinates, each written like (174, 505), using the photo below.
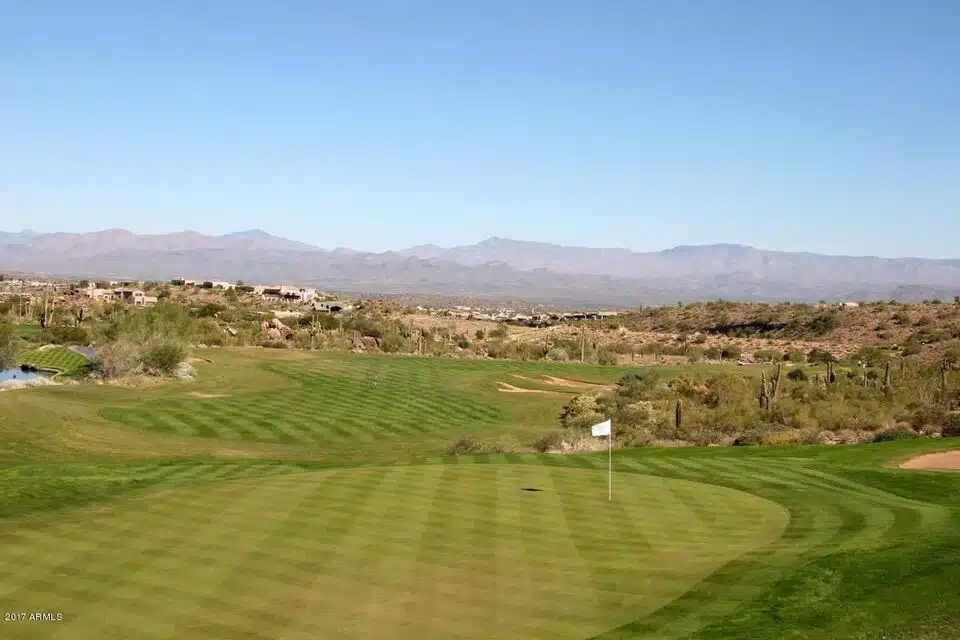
(563, 382)
(945, 461)
(205, 396)
(509, 388)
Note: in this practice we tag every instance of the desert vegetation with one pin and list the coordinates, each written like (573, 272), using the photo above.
(819, 404)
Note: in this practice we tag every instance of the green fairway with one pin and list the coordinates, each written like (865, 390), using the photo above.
(367, 404)
(284, 496)
(362, 551)
(60, 358)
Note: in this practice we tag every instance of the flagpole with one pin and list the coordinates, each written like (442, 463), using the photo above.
(610, 465)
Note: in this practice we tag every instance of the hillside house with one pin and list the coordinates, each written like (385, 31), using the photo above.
(93, 292)
(331, 306)
(134, 297)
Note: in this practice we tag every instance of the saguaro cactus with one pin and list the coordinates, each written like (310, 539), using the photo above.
(764, 396)
(678, 414)
(776, 383)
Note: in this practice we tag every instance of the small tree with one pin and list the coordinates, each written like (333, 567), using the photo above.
(820, 356)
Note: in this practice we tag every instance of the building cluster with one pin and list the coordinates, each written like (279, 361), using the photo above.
(124, 293)
(513, 316)
(318, 300)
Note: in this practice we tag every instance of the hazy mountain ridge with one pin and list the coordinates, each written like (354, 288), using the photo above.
(496, 268)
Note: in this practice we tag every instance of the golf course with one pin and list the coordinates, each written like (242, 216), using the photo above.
(284, 494)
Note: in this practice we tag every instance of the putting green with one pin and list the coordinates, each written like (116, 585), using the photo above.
(443, 551)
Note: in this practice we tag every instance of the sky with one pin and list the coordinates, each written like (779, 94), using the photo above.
(812, 125)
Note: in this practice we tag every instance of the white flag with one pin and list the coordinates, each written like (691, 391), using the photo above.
(602, 429)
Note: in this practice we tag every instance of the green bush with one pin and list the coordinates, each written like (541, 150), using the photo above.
(163, 357)
(951, 425)
(9, 347)
(820, 356)
(896, 433)
(798, 375)
(65, 334)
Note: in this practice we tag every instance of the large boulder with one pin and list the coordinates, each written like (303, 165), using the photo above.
(275, 330)
(369, 343)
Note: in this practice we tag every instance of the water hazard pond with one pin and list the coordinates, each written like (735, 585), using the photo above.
(19, 374)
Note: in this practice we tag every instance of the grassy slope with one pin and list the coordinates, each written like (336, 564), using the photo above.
(868, 551)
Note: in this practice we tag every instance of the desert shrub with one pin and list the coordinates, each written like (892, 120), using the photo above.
(65, 334)
(797, 375)
(582, 411)
(464, 445)
(951, 425)
(163, 357)
(896, 433)
(468, 445)
(922, 415)
(713, 353)
(480, 334)
(901, 318)
(499, 332)
(117, 359)
(9, 347)
(794, 355)
(210, 333)
(694, 354)
(607, 357)
(274, 344)
(749, 438)
(548, 441)
(558, 354)
(208, 310)
(788, 437)
(498, 350)
(823, 323)
(731, 352)
(911, 347)
(768, 355)
(623, 347)
(952, 355)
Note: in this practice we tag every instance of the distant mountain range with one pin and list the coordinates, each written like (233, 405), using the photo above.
(494, 268)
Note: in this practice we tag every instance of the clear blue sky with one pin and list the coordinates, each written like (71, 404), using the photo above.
(822, 125)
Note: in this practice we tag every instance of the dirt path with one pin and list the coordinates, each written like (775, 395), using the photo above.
(947, 460)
